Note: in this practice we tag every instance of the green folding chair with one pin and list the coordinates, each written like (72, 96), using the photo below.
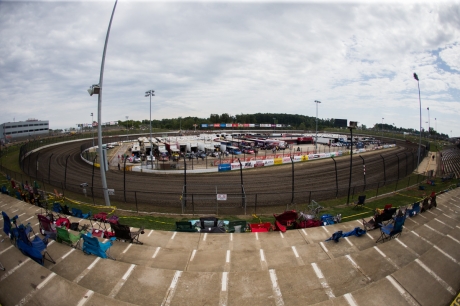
(63, 235)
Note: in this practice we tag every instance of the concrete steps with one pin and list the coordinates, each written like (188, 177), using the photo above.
(266, 268)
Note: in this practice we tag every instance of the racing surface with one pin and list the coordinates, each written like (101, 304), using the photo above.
(275, 185)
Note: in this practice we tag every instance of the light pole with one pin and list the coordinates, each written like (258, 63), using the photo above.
(436, 132)
(420, 104)
(126, 127)
(381, 127)
(92, 128)
(150, 93)
(274, 125)
(316, 139)
(97, 89)
(353, 125)
(428, 109)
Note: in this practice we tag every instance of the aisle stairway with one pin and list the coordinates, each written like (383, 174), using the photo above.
(422, 267)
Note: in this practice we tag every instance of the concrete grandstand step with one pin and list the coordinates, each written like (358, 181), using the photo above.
(327, 265)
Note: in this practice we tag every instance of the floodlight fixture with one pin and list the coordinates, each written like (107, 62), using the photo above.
(94, 89)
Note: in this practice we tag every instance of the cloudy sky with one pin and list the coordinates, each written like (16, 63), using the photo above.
(205, 57)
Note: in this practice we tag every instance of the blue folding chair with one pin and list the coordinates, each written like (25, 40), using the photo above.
(392, 230)
(35, 248)
(8, 229)
(79, 214)
(410, 212)
(91, 245)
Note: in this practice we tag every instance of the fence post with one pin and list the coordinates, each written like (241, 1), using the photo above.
(65, 171)
(396, 187)
(384, 172)
(135, 197)
(255, 206)
(49, 169)
(292, 195)
(36, 164)
(408, 182)
(336, 178)
(378, 185)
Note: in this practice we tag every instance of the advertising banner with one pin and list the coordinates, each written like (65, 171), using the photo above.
(258, 163)
(216, 125)
(286, 160)
(278, 161)
(297, 158)
(269, 162)
(246, 125)
(235, 166)
(304, 158)
(224, 167)
(223, 125)
(251, 125)
(204, 125)
(228, 125)
(248, 165)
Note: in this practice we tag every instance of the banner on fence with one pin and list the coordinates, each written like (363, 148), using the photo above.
(221, 197)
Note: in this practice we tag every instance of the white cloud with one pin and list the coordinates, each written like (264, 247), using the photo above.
(215, 57)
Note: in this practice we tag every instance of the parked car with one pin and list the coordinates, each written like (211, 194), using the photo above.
(134, 159)
(247, 150)
(189, 155)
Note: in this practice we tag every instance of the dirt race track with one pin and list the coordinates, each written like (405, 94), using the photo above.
(269, 186)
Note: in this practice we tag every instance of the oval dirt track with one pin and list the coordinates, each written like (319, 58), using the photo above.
(264, 186)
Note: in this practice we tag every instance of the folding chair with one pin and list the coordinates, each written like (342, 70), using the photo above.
(425, 205)
(91, 245)
(287, 218)
(18, 195)
(79, 214)
(432, 200)
(57, 208)
(8, 229)
(388, 206)
(122, 232)
(36, 248)
(58, 195)
(101, 217)
(64, 235)
(46, 227)
(237, 226)
(5, 190)
(185, 226)
(66, 211)
(60, 222)
(410, 212)
(314, 208)
(360, 202)
(392, 230)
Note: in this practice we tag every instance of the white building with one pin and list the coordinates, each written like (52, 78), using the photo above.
(29, 128)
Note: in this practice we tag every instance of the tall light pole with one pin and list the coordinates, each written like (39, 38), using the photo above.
(381, 127)
(316, 139)
(150, 93)
(353, 125)
(420, 105)
(436, 133)
(97, 89)
(92, 128)
(274, 124)
(428, 109)
(126, 127)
